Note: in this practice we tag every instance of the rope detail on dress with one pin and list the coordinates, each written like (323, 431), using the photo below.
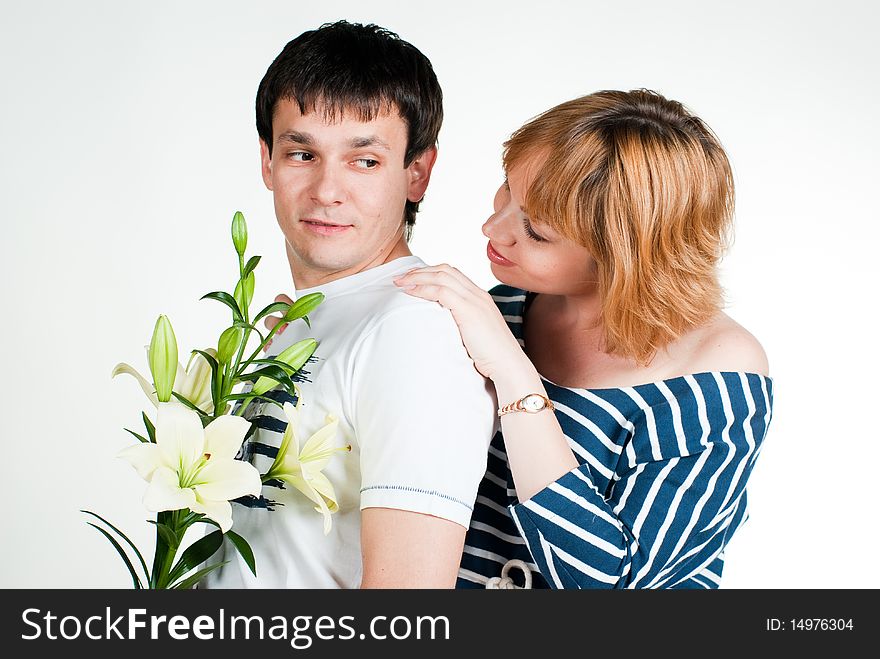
(506, 583)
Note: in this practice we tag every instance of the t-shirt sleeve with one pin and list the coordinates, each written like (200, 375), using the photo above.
(423, 415)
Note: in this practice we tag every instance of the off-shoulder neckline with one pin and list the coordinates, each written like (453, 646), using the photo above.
(526, 303)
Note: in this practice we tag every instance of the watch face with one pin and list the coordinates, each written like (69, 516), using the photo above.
(533, 403)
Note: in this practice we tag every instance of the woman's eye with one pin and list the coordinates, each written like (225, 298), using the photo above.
(366, 163)
(531, 232)
(301, 156)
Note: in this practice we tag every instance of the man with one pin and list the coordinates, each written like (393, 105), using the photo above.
(348, 117)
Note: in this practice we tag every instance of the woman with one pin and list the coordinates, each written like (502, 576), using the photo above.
(632, 408)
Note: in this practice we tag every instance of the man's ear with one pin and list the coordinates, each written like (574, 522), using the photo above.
(420, 174)
(265, 164)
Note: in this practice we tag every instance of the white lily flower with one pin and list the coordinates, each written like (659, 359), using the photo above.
(302, 468)
(192, 382)
(194, 467)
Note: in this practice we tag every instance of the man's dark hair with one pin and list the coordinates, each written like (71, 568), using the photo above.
(361, 69)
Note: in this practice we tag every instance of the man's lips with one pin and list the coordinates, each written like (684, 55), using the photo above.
(325, 228)
(495, 257)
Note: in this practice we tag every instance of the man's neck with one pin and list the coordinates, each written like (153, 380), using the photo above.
(305, 276)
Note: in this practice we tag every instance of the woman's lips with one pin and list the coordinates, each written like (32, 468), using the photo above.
(325, 228)
(495, 257)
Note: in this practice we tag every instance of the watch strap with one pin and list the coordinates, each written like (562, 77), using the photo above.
(518, 405)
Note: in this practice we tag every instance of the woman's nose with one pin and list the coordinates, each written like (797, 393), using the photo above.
(498, 228)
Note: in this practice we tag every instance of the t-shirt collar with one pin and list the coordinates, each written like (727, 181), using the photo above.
(360, 279)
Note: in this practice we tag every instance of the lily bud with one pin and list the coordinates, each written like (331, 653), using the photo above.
(163, 358)
(228, 344)
(239, 233)
(295, 356)
(303, 306)
(244, 294)
(298, 354)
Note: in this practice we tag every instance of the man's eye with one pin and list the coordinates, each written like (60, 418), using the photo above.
(366, 163)
(300, 156)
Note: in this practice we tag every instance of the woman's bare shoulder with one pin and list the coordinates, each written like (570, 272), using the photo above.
(725, 345)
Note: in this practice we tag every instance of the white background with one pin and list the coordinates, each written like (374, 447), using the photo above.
(128, 141)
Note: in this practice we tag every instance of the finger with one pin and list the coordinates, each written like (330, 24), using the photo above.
(447, 275)
(283, 298)
(449, 270)
(442, 278)
(445, 296)
(271, 321)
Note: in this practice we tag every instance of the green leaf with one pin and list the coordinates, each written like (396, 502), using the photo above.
(169, 537)
(228, 300)
(151, 429)
(196, 554)
(265, 399)
(192, 580)
(303, 306)
(124, 537)
(134, 577)
(275, 362)
(244, 549)
(251, 265)
(208, 357)
(272, 308)
(190, 519)
(140, 438)
(260, 334)
(191, 406)
(268, 374)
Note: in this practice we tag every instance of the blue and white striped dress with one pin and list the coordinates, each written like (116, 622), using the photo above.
(658, 493)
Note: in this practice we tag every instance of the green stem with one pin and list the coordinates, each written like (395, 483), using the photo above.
(161, 550)
(178, 522)
(244, 405)
(262, 345)
(229, 383)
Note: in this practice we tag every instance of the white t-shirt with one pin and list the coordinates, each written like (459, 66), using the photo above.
(418, 416)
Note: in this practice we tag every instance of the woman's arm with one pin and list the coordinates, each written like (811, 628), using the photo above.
(668, 515)
(536, 446)
(677, 502)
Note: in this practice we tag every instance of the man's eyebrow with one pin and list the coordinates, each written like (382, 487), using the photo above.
(372, 140)
(295, 137)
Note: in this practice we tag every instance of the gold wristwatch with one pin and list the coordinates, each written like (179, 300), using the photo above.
(532, 403)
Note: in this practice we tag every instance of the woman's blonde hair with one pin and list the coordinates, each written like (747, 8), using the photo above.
(645, 186)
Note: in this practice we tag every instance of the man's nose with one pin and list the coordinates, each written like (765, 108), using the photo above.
(326, 186)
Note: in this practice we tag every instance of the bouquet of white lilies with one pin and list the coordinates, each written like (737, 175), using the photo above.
(188, 454)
